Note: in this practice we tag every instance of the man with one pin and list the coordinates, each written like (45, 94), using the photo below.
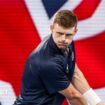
(51, 73)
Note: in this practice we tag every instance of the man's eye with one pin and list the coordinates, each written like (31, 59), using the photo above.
(69, 35)
(60, 33)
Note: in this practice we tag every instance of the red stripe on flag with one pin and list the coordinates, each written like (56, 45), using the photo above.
(18, 37)
(90, 55)
(86, 8)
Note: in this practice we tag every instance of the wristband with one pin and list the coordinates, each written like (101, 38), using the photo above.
(91, 97)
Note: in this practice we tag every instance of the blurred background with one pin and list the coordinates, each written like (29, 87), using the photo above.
(24, 23)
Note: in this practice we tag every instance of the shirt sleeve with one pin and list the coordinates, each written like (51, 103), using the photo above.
(53, 76)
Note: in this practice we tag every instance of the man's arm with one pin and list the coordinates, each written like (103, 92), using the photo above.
(73, 95)
(81, 84)
(79, 81)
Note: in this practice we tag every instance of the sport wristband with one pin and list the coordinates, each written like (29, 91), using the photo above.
(91, 97)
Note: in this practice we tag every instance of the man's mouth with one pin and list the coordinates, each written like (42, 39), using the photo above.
(62, 44)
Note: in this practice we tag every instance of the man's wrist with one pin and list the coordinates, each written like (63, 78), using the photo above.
(91, 97)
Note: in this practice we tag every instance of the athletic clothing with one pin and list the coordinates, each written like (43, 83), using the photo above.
(47, 71)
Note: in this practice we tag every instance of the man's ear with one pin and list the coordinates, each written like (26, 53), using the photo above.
(51, 28)
(76, 30)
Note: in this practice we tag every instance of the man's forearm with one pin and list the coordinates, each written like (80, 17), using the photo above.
(79, 81)
(79, 101)
(81, 84)
(73, 95)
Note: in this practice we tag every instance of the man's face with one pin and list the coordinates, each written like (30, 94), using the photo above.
(62, 36)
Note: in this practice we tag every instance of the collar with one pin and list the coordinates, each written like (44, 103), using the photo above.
(53, 46)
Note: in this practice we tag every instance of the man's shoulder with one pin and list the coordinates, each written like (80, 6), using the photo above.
(38, 51)
(41, 45)
(53, 63)
(58, 59)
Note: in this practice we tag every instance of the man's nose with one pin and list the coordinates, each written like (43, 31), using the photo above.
(63, 37)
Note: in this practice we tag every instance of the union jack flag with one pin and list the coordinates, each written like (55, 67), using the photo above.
(24, 23)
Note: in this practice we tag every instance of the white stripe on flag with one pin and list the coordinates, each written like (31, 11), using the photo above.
(93, 25)
(101, 93)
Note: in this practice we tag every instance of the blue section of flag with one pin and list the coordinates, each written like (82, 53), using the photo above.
(51, 6)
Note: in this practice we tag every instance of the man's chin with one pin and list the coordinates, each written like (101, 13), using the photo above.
(62, 47)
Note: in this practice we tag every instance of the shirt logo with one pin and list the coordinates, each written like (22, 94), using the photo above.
(67, 69)
(72, 56)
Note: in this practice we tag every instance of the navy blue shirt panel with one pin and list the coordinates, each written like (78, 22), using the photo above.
(47, 71)
(53, 75)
